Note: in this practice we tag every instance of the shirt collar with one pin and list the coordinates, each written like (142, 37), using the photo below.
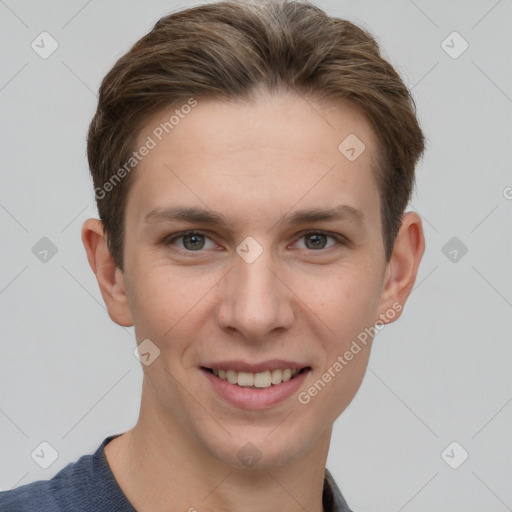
(332, 499)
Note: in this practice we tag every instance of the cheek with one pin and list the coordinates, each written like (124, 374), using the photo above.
(160, 301)
(347, 302)
(170, 308)
(349, 312)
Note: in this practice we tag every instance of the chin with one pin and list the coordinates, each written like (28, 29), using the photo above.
(261, 449)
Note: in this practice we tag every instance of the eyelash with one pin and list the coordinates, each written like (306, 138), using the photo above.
(176, 236)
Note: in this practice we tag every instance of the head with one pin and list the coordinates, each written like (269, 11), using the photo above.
(243, 123)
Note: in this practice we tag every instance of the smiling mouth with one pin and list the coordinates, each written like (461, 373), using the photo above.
(260, 380)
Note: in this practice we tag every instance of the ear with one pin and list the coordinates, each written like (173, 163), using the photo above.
(109, 277)
(402, 268)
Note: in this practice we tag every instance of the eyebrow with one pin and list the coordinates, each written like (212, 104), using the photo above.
(192, 214)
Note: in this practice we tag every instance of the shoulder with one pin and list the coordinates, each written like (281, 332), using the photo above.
(65, 491)
(82, 486)
(30, 497)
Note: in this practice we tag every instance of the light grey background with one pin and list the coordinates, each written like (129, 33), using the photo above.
(440, 374)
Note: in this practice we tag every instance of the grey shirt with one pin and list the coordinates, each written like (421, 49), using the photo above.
(88, 485)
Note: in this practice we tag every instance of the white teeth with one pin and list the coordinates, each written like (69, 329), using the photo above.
(245, 379)
(232, 376)
(277, 376)
(263, 379)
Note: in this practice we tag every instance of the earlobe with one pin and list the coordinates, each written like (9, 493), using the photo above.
(402, 268)
(110, 278)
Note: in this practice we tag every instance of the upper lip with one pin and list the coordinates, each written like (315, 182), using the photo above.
(244, 366)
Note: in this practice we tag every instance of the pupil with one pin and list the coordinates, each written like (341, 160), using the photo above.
(316, 239)
(194, 238)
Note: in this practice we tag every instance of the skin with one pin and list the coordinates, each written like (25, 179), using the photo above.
(255, 164)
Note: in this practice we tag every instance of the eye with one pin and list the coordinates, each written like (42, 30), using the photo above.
(195, 241)
(315, 240)
(190, 241)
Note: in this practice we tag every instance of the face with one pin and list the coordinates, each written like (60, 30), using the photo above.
(253, 244)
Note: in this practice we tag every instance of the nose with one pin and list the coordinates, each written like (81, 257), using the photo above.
(255, 300)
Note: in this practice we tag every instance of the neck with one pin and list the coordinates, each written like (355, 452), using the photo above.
(161, 467)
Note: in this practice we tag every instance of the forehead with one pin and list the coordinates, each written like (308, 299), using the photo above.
(271, 152)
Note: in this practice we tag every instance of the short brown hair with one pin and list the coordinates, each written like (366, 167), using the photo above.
(228, 50)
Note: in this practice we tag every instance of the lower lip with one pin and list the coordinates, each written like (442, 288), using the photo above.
(255, 398)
